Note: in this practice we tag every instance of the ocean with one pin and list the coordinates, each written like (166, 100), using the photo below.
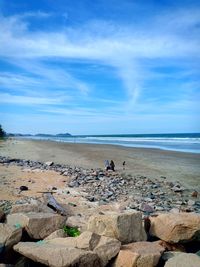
(185, 142)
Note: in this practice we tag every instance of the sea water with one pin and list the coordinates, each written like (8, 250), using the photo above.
(185, 142)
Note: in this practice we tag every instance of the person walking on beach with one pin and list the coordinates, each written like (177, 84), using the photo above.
(124, 163)
(112, 165)
(107, 165)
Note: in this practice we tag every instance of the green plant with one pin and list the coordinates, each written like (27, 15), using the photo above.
(71, 231)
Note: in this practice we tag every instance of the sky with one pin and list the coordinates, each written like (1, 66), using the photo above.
(100, 67)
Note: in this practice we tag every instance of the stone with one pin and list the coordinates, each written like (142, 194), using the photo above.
(170, 254)
(126, 227)
(140, 254)
(174, 228)
(183, 260)
(58, 233)
(107, 248)
(146, 208)
(49, 163)
(191, 202)
(22, 208)
(37, 225)
(57, 255)
(77, 221)
(9, 236)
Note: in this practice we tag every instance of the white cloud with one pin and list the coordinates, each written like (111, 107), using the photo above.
(27, 100)
(121, 47)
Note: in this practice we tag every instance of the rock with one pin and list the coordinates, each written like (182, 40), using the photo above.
(107, 248)
(126, 227)
(191, 202)
(177, 189)
(146, 208)
(170, 254)
(139, 254)
(174, 228)
(183, 260)
(37, 225)
(22, 208)
(49, 163)
(77, 221)
(9, 236)
(57, 255)
(58, 233)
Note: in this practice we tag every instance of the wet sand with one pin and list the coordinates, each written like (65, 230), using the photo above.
(153, 163)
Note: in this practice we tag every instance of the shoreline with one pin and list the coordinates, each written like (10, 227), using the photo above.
(135, 146)
(153, 163)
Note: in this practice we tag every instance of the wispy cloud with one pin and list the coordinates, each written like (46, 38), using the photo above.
(118, 46)
(27, 100)
(133, 51)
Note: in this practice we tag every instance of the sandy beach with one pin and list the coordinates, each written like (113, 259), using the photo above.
(153, 163)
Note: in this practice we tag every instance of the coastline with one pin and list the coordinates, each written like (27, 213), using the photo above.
(153, 163)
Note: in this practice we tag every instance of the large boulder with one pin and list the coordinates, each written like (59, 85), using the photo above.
(126, 227)
(37, 225)
(104, 248)
(140, 254)
(9, 236)
(58, 255)
(22, 208)
(174, 228)
(184, 260)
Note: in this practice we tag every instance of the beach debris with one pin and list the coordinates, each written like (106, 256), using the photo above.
(194, 194)
(53, 204)
(23, 188)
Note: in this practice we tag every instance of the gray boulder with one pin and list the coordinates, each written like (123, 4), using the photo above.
(9, 236)
(37, 225)
(184, 260)
(126, 227)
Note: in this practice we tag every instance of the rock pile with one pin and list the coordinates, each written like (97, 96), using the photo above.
(151, 228)
(116, 240)
(139, 192)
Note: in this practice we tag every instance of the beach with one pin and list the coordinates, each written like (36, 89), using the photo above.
(153, 163)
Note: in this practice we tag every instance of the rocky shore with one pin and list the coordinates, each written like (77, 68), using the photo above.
(124, 220)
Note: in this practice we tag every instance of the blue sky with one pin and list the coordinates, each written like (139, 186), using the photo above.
(100, 67)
